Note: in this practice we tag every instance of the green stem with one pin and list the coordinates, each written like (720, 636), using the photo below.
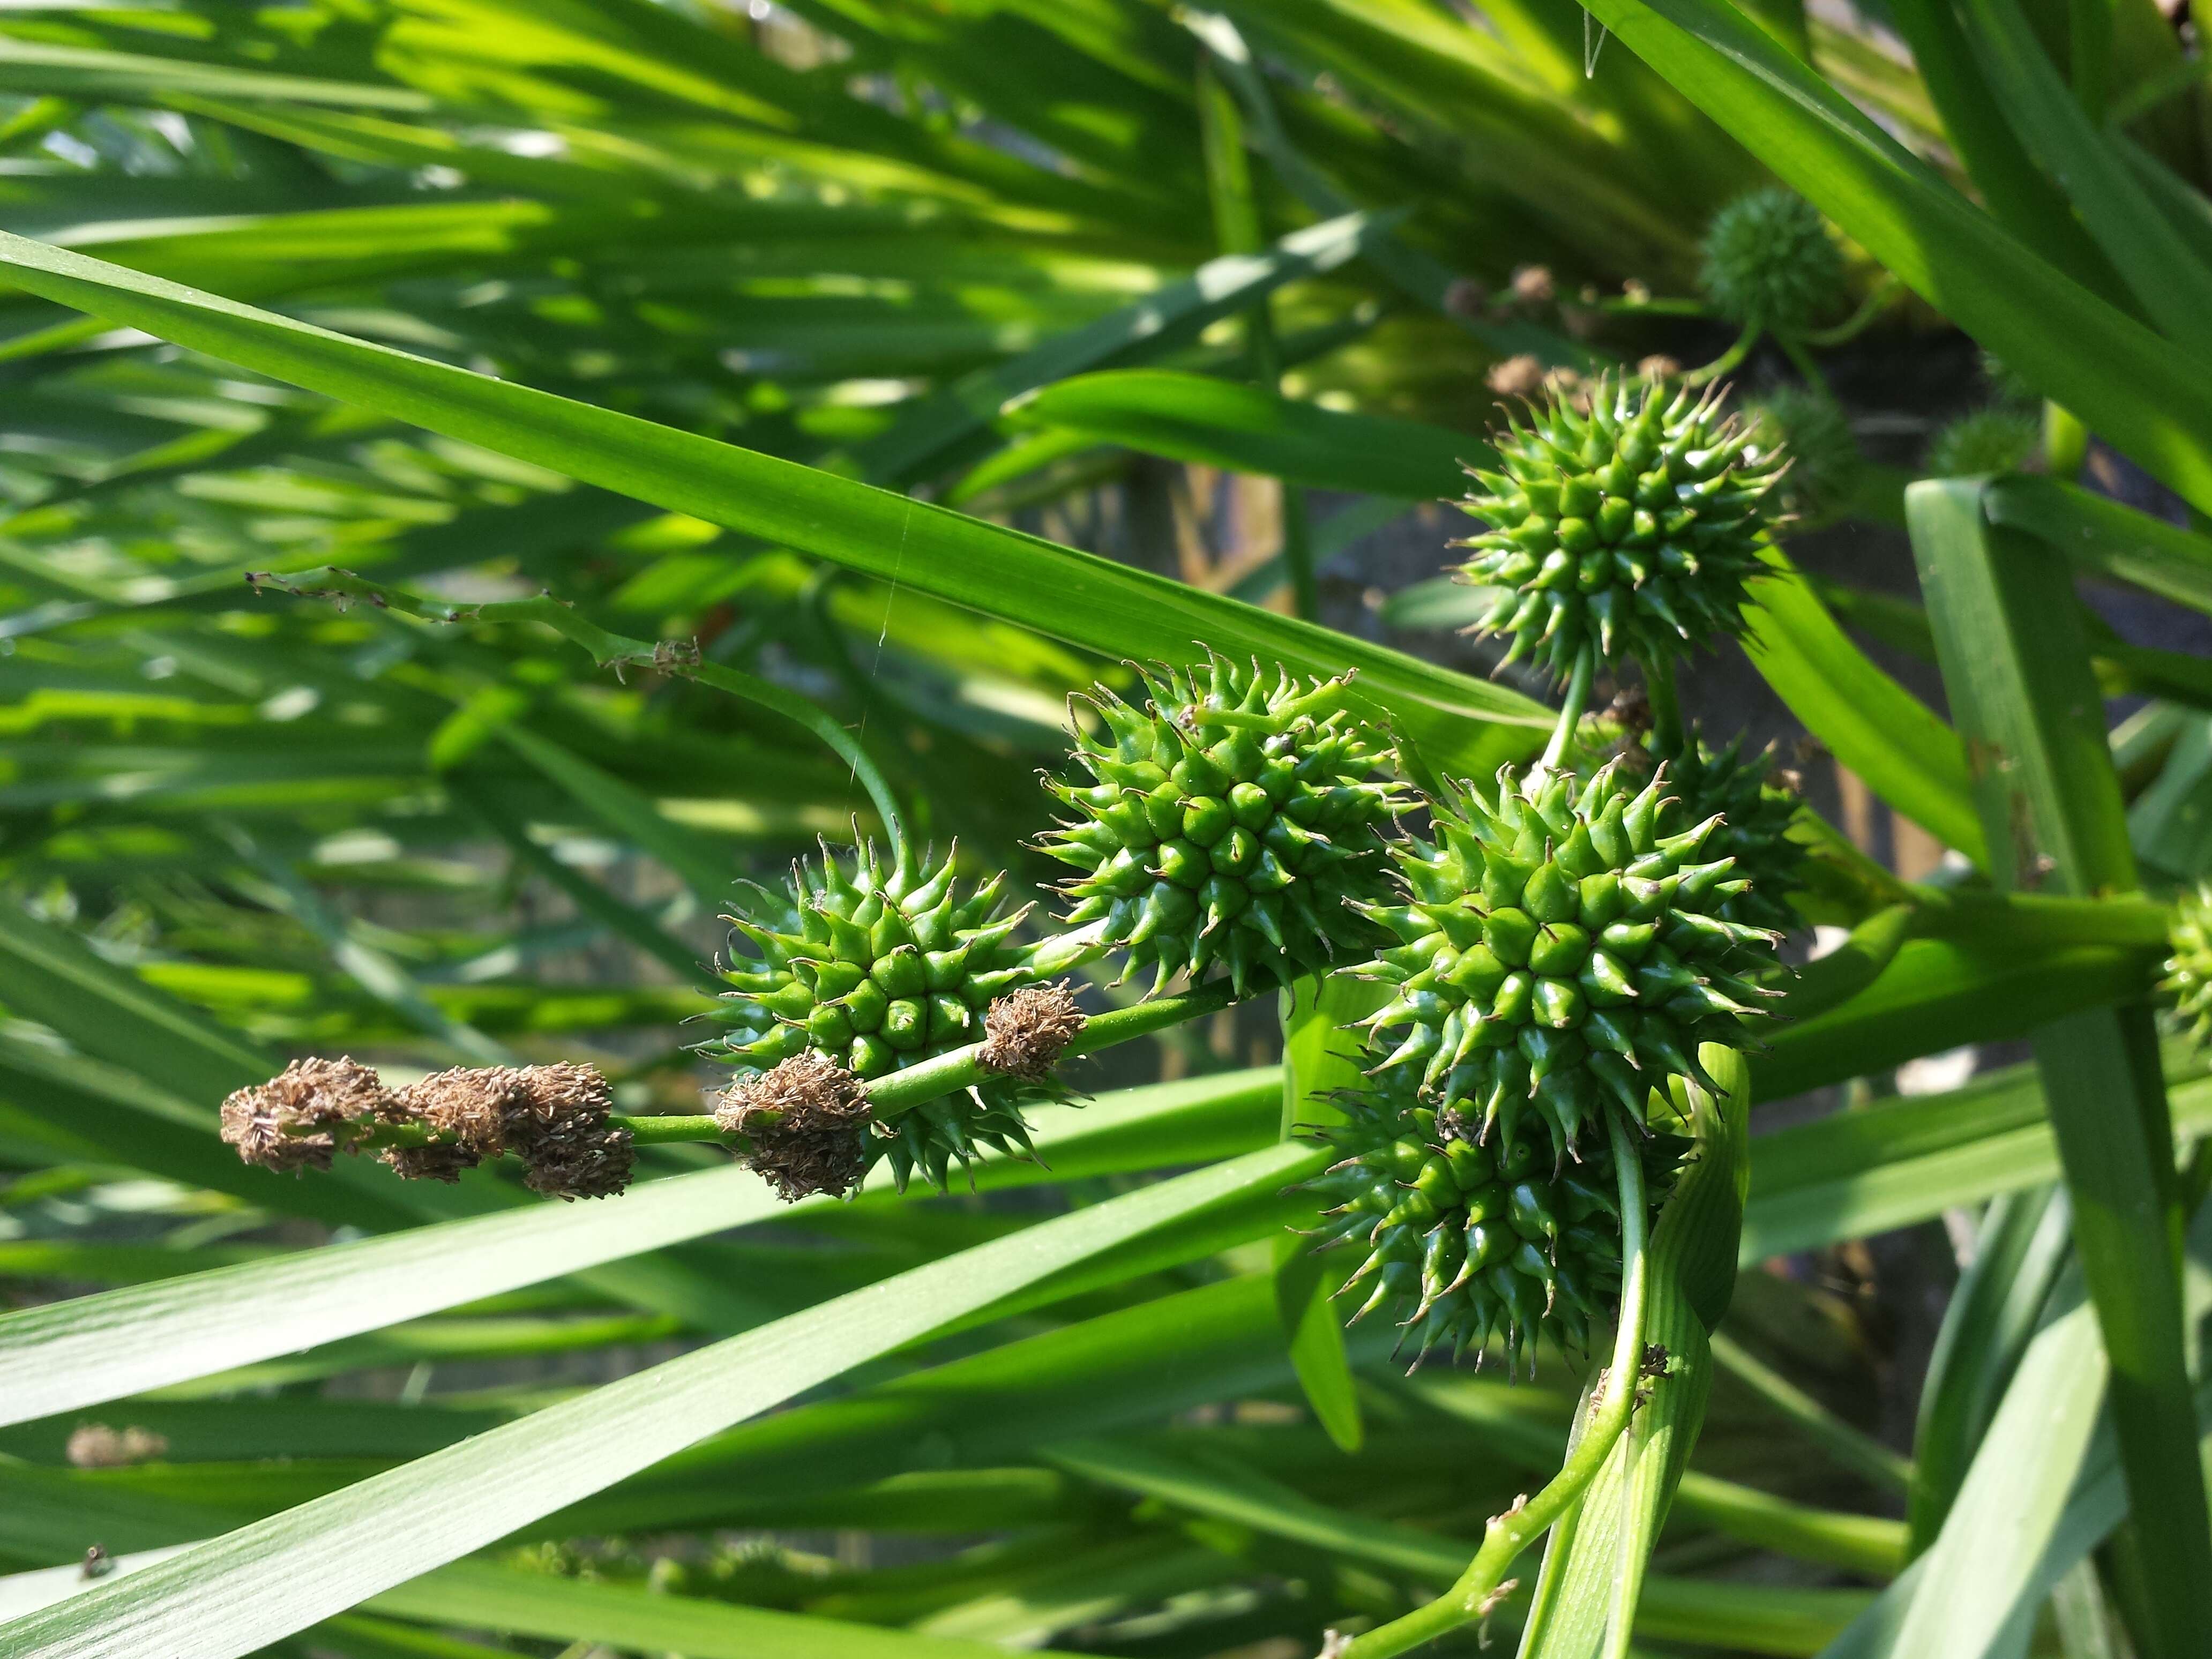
(1484, 1584)
(1571, 711)
(1666, 704)
(1876, 301)
(1727, 360)
(902, 1091)
(614, 651)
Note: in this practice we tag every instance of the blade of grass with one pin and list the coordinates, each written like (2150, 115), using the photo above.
(2016, 663)
(1067, 595)
(235, 1594)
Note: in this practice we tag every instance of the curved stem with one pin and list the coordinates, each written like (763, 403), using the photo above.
(1484, 1584)
(1876, 301)
(614, 651)
(1727, 360)
(1571, 711)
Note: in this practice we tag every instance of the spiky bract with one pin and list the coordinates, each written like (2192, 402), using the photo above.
(1476, 1242)
(1755, 812)
(1633, 526)
(1234, 824)
(1771, 263)
(875, 968)
(1562, 950)
(2188, 979)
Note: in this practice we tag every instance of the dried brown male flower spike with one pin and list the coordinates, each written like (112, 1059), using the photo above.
(293, 1122)
(556, 1120)
(97, 1446)
(806, 1122)
(1026, 1032)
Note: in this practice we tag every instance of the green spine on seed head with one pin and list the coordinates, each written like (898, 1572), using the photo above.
(1233, 825)
(1475, 1243)
(1561, 951)
(2188, 979)
(875, 968)
(1633, 526)
(1755, 812)
(1771, 263)
(1825, 464)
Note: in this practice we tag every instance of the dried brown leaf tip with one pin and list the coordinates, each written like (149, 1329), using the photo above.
(806, 1123)
(1026, 1032)
(295, 1121)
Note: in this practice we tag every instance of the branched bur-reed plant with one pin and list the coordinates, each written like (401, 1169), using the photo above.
(1555, 946)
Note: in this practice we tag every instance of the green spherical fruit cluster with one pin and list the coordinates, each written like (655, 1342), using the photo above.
(1824, 461)
(1994, 440)
(1476, 1242)
(1755, 812)
(1233, 822)
(2188, 979)
(876, 969)
(1561, 949)
(1634, 526)
(1771, 263)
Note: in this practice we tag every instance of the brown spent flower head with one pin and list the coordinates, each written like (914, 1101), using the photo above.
(556, 1121)
(806, 1122)
(1521, 376)
(96, 1446)
(1026, 1032)
(554, 1118)
(293, 1122)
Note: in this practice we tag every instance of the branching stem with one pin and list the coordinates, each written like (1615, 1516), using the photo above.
(614, 651)
(1482, 1586)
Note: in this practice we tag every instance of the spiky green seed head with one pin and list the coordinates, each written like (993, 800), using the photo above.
(1632, 527)
(1561, 951)
(1233, 825)
(1771, 263)
(1469, 1244)
(2188, 979)
(1756, 812)
(1994, 440)
(876, 968)
(1825, 463)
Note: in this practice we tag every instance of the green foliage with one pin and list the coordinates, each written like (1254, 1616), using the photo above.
(661, 434)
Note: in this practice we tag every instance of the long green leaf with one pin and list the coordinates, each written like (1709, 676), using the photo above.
(1068, 595)
(2106, 539)
(2016, 662)
(78, 1353)
(1194, 417)
(263, 1581)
